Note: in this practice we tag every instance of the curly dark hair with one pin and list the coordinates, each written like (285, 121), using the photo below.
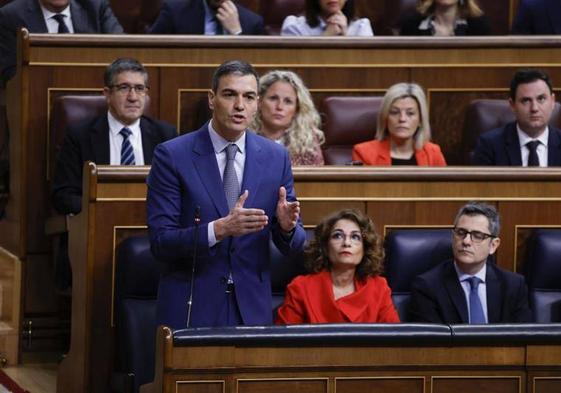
(313, 11)
(317, 250)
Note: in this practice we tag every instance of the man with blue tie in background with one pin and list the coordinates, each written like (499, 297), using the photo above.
(209, 17)
(51, 16)
(215, 197)
(470, 288)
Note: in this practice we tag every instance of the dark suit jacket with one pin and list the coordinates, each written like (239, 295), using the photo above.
(437, 296)
(88, 16)
(538, 17)
(501, 147)
(184, 176)
(89, 141)
(188, 17)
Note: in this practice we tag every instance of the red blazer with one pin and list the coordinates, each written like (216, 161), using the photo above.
(310, 299)
(378, 153)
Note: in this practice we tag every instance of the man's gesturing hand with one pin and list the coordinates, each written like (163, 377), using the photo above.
(240, 221)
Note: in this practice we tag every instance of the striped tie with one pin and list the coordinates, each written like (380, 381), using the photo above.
(127, 153)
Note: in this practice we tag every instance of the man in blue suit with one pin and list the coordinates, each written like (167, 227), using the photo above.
(529, 141)
(210, 17)
(41, 16)
(538, 17)
(215, 196)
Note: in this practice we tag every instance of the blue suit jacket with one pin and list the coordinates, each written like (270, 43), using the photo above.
(538, 17)
(188, 17)
(184, 176)
(91, 16)
(437, 296)
(501, 147)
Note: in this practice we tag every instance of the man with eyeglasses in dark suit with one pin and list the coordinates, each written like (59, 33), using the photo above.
(470, 288)
(122, 136)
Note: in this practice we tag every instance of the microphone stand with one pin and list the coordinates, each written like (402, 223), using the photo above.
(195, 237)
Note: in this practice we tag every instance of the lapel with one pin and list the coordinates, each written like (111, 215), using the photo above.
(553, 9)
(196, 17)
(384, 152)
(34, 17)
(204, 161)
(512, 145)
(149, 141)
(554, 146)
(253, 168)
(99, 139)
(455, 291)
(80, 20)
(494, 298)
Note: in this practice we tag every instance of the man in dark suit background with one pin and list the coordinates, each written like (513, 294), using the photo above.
(210, 17)
(100, 139)
(470, 288)
(538, 17)
(529, 141)
(42, 16)
(221, 192)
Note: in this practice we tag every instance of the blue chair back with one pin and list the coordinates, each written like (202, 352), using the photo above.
(409, 253)
(543, 274)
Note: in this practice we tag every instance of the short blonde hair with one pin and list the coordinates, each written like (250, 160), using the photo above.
(303, 134)
(399, 91)
(467, 8)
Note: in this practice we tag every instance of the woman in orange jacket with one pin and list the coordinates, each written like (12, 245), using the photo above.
(403, 131)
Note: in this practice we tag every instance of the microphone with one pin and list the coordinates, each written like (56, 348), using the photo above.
(197, 221)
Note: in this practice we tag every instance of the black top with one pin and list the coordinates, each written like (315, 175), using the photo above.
(400, 161)
(473, 26)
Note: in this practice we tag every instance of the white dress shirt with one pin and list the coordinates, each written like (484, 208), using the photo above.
(541, 149)
(298, 26)
(481, 289)
(116, 140)
(219, 144)
(52, 24)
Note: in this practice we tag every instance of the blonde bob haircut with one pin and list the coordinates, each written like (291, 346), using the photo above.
(399, 91)
(467, 8)
(304, 133)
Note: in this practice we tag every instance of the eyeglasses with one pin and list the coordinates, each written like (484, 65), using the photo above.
(124, 89)
(476, 236)
(340, 236)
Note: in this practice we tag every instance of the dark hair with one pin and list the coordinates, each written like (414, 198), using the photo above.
(317, 250)
(474, 208)
(233, 67)
(123, 65)
(313, 11)
(528, 76)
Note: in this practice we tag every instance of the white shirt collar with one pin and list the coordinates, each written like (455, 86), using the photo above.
(463, 276)
(49, 14)
(219, 143)
(525, 138)
(115, 126)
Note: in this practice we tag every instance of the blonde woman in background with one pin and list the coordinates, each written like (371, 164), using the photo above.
(403, 131)
(287, 115)
(446, 18)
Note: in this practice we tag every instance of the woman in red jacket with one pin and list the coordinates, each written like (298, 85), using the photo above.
(403, 131)
(345, 261)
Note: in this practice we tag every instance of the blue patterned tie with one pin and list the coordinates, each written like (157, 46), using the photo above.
(62, 28)
(476, 315)
(127, 153)
(230, 179)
